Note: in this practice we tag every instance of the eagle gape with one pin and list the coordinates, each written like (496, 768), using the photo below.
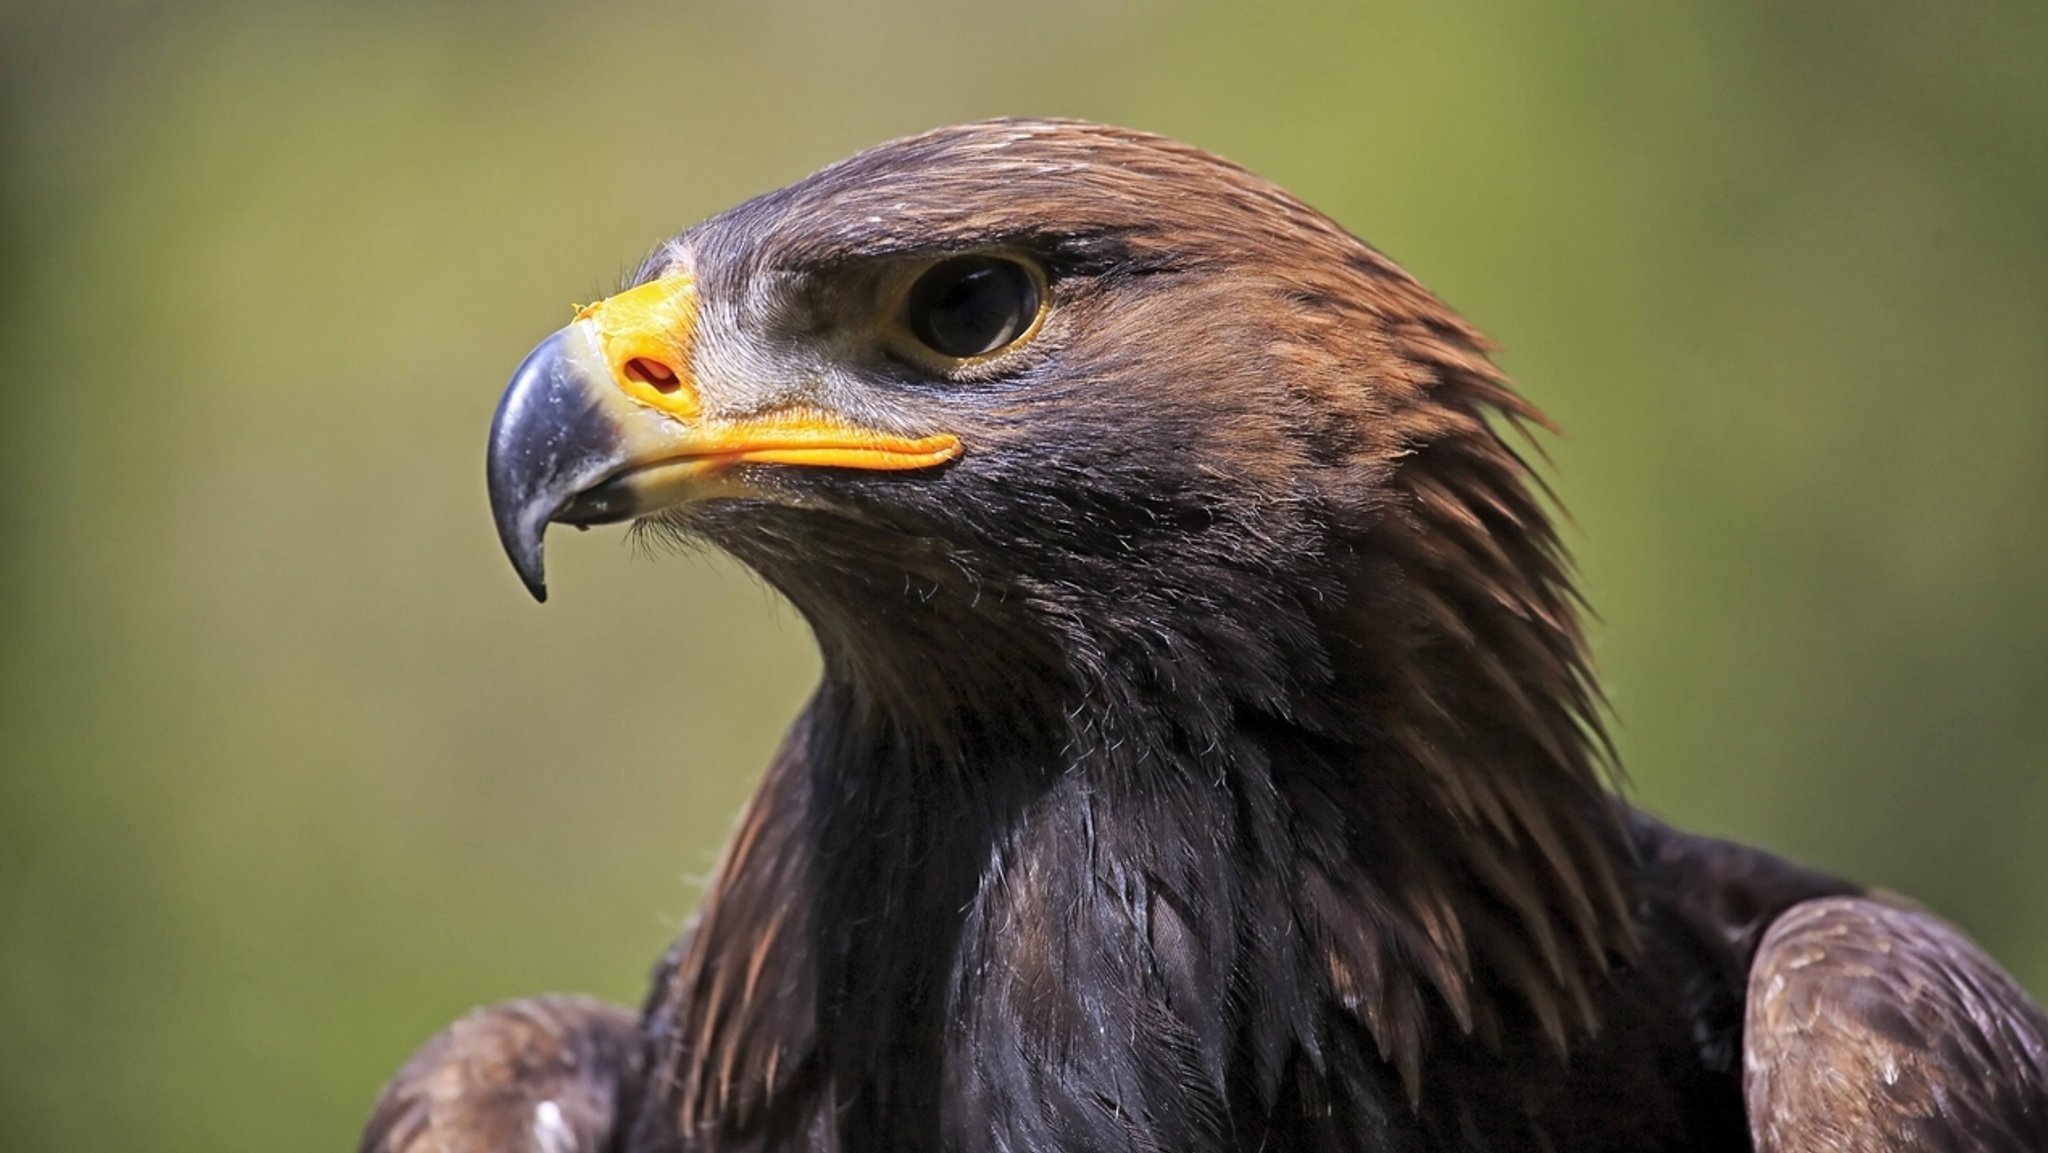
(1206, 755)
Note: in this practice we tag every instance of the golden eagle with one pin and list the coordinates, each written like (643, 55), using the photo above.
(1206, 755)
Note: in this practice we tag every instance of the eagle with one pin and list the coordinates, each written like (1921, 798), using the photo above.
(1207, 754)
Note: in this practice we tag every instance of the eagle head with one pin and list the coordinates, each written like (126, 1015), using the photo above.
(1046, 404)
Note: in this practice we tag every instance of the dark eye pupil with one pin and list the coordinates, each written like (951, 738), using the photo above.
(972, 305)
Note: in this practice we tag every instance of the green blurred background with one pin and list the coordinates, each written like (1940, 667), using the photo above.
(292, 772)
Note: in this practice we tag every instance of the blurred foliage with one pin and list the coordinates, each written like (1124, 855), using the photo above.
(291, 773)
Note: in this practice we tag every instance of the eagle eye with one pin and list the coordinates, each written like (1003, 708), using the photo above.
(969, 306)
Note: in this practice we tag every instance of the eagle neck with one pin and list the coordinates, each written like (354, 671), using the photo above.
(1139, 854)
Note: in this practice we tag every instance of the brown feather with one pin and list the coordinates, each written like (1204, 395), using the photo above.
(1873, 1028)
(545, 1075)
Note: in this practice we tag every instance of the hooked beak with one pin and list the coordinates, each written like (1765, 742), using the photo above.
(603, 422)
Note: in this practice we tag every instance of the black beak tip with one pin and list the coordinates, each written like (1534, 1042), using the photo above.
(531, 574)
(522, 524)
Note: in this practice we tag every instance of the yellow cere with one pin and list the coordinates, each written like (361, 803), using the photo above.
(646, 334)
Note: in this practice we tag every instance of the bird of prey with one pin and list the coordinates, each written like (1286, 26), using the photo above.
(1206, 756)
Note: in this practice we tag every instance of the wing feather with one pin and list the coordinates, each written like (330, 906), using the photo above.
(543, 1075)
(1873, 1028)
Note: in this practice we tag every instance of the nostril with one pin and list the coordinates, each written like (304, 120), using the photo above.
(653, 373)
